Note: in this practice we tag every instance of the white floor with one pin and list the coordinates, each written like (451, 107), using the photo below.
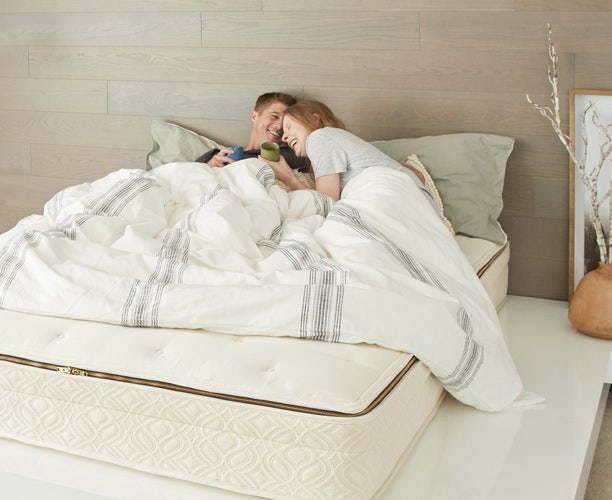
(539, 452)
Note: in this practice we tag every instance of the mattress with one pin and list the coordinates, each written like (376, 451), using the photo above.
(490, 261)
(267, 416)
(281, 418)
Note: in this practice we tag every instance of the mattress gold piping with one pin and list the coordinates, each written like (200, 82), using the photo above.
(489, 263)
(69, 370)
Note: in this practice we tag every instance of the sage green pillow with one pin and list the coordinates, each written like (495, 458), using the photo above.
(468, 169)
(174, 143)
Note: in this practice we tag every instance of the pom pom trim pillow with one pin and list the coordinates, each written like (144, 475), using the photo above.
(413, 163)
(468, 170)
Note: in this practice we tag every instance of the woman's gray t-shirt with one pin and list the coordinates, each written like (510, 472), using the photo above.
(338, 151)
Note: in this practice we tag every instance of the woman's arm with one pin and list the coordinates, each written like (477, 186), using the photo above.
(329, 185)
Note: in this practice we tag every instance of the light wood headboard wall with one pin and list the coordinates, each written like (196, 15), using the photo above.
(81, 80)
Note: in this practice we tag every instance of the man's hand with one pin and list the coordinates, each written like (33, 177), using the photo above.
(221, 159)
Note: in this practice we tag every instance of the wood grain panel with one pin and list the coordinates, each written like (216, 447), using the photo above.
(11, 215)
(359, 30)
(198, 100)
(32, 6)
(424, 111)
(563, 5)
(537, 237)
(221, 131)
(539, 256)
(13, 62)
(77, 129)
(357, 5)
(535, 276)
(463, 70)
(538, 155)
(551, 199)
(102, 29)
(15, 158)
(593, 71)
(518, 195)
(572, 31)
(107, 131)
(30, 192)
(53, 95)
(51, 160)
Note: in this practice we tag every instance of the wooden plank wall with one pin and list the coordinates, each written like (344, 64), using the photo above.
(81, 80)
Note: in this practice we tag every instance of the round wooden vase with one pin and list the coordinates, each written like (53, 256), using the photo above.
(590, 309)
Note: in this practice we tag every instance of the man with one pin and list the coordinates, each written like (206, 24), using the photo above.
(267, 118)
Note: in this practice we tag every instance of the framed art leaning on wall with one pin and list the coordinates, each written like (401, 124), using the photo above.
(590, 132)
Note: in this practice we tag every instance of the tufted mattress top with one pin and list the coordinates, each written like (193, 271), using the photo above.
(275, 371)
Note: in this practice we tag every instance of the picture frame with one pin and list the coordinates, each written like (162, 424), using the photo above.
(583, 251)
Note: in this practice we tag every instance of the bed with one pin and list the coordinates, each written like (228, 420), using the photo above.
(306, 372)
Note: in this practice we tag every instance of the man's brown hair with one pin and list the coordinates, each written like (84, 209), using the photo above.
(265, 99)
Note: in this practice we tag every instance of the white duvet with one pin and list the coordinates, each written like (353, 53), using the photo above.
(228, 250)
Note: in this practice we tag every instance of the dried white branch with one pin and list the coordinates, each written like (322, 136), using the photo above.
(583, 134)
(605, 150)
(589, 179)
(604, 145)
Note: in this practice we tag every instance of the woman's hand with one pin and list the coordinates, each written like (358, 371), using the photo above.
(285, 173)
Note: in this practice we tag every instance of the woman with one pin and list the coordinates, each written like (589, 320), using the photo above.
(312, 130)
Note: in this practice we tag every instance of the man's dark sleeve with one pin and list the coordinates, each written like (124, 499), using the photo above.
(206, 157)
(295, 162)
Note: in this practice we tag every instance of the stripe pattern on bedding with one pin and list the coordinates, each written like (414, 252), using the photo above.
(472, 355)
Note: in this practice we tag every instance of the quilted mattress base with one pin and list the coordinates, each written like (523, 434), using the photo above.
(284, 447)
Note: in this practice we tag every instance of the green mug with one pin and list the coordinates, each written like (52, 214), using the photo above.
(270, 151)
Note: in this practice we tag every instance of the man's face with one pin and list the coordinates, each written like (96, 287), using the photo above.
(268, 123)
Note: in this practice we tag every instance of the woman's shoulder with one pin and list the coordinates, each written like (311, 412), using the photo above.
(322, 135)
(327, 140)
(332, 131)
(335, 134)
